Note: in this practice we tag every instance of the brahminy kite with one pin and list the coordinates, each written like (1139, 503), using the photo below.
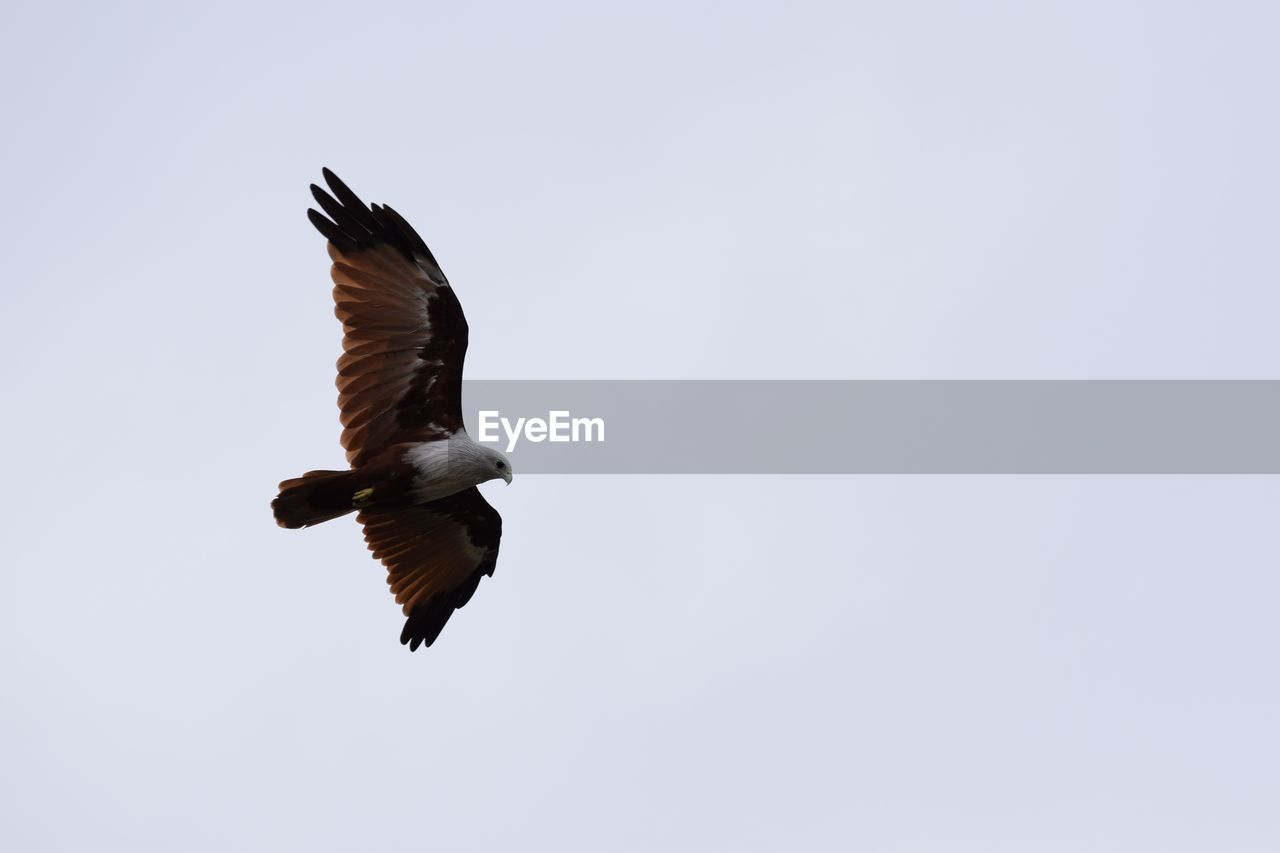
(414, 470)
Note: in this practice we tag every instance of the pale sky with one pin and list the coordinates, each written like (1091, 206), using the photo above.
(905, 190)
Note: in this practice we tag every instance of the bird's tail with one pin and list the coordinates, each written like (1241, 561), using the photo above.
(314, 497)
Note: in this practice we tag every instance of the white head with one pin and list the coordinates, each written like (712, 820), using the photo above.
(475, 463)
(492, 464)
(449, 466)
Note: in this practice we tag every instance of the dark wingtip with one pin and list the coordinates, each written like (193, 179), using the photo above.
(330, 178)
(318, 220)
(353, 225)
(331, 232)
(407, 638)
(353, 207)
(339, 188)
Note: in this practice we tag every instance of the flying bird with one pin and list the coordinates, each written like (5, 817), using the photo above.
(414, 470)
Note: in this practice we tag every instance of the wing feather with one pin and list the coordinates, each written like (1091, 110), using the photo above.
(435, 555)
(404, 332)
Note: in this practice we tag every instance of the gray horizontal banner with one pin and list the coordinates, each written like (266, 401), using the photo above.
(878, 427)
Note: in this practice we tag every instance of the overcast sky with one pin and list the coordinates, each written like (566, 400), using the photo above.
(899, 190)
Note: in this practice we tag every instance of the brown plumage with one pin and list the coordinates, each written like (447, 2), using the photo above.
(436, 555)
(400, 401)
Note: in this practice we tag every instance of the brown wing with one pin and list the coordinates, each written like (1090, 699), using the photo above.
(405, 336)
(435, 555)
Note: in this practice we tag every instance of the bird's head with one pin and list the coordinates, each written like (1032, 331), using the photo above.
(499, 465)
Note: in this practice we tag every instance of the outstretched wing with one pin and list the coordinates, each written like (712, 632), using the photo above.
(405, 337)
(435, 555)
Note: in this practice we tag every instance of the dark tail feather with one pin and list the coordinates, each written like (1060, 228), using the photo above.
(314, 497)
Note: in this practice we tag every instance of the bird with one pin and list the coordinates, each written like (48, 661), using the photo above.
(413, 469)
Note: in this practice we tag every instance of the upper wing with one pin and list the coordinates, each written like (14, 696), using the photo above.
(435, 555)
(405, 337)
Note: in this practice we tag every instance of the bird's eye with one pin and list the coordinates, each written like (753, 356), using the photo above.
(501, 465)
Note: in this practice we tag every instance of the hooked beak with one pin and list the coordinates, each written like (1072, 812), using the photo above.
(506, 475)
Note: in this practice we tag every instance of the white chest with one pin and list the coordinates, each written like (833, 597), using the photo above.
(444, 467)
